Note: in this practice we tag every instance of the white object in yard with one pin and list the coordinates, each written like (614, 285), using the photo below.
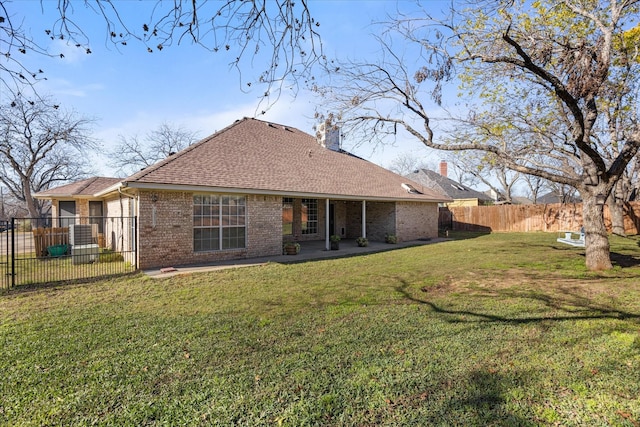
(84, 254)
(570, 240)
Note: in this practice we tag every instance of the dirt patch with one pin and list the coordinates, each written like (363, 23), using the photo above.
(478, 283)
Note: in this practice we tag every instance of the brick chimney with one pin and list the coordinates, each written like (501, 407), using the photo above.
(443, 168)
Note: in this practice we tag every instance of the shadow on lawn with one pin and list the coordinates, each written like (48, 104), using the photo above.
(478, 397)
(575, 307)
(624, 261)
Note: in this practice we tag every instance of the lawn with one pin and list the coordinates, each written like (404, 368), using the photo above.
(501, 329)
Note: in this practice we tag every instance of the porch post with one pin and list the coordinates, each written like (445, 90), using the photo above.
(326, 225)
(364, 219)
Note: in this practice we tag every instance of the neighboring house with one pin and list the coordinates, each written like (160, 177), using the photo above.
(559, 197)
(499, 200)
(438, 182)
(241, 192)
(521, 200)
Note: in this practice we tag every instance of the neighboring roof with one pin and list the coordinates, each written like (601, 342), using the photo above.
(557, 197)
(521, 200)
(85, 188)
(255, 156)
(442, 184)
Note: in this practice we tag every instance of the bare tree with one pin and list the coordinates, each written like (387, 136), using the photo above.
(10, 207)
(407, 163)
(131, 154)
(479, 167)
(519, 60)
(535, 186)
(278, 39)
(41, 146)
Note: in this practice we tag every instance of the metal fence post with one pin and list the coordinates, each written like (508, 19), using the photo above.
(13, 252)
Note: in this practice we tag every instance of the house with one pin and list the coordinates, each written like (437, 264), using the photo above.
(440, 183)
(568, 195)
(243, 191)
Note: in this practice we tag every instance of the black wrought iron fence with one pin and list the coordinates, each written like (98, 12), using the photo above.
(5, 271)
(39, 250)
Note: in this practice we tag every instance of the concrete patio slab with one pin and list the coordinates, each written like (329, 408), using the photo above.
(309, 251)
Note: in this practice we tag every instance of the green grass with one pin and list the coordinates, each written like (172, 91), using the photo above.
(503, 329)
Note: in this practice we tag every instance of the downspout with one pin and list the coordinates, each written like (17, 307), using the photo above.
(326, 225)
(364, 219)
(135, 228)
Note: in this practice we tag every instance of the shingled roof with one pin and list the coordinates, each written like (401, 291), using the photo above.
(85, 188)
(444, 185)
(258, 157)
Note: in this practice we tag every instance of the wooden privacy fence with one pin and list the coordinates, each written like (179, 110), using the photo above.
(525, 218)
(45, 237)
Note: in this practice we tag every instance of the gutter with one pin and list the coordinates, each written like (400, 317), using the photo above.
(248, 191)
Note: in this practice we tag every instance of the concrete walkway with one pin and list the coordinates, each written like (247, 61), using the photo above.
(309, 251)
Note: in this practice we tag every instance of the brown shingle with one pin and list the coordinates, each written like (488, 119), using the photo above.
(256, 155)
(87, 188)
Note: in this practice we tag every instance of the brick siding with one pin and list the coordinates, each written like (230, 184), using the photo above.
(416, 220)
(170, 241)
(264, 226)
(381, 220)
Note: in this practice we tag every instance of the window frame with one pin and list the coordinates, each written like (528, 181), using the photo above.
(223, 217)
(287, 225)
(312, 216)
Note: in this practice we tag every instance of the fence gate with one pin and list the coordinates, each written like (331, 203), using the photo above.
(37, 250)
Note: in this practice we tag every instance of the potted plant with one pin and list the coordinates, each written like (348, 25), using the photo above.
(335, 242)
(362, 241)
(390, 238)
(291, 248)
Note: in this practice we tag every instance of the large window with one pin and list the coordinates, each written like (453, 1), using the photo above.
(218, 222)
(309, 216)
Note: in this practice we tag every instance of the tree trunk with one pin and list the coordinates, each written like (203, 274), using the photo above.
(616, 209)
(597, 249)
(29, 201)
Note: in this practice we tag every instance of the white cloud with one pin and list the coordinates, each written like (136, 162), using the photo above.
(64, 88)
(68, 52)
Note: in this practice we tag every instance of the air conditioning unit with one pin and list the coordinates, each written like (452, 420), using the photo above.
(84, 250)
(84, 254)
(81, 234)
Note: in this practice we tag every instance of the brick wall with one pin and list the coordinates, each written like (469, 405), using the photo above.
(264, 221)
(340, 226)
(407, 220)
(353, 220)
(381, 220)
(416, 220)
(167, 240)
(118, 234)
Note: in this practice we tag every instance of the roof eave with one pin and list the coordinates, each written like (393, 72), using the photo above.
(111, 189)
(233, 190)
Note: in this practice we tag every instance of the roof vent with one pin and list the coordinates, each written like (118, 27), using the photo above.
(410, 188)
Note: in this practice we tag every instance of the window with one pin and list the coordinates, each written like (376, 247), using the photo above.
(287, 216)
(95, 215)
(66, 213)
(218, 222)
(309, 216)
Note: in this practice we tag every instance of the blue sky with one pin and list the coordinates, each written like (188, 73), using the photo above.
(130, 91)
